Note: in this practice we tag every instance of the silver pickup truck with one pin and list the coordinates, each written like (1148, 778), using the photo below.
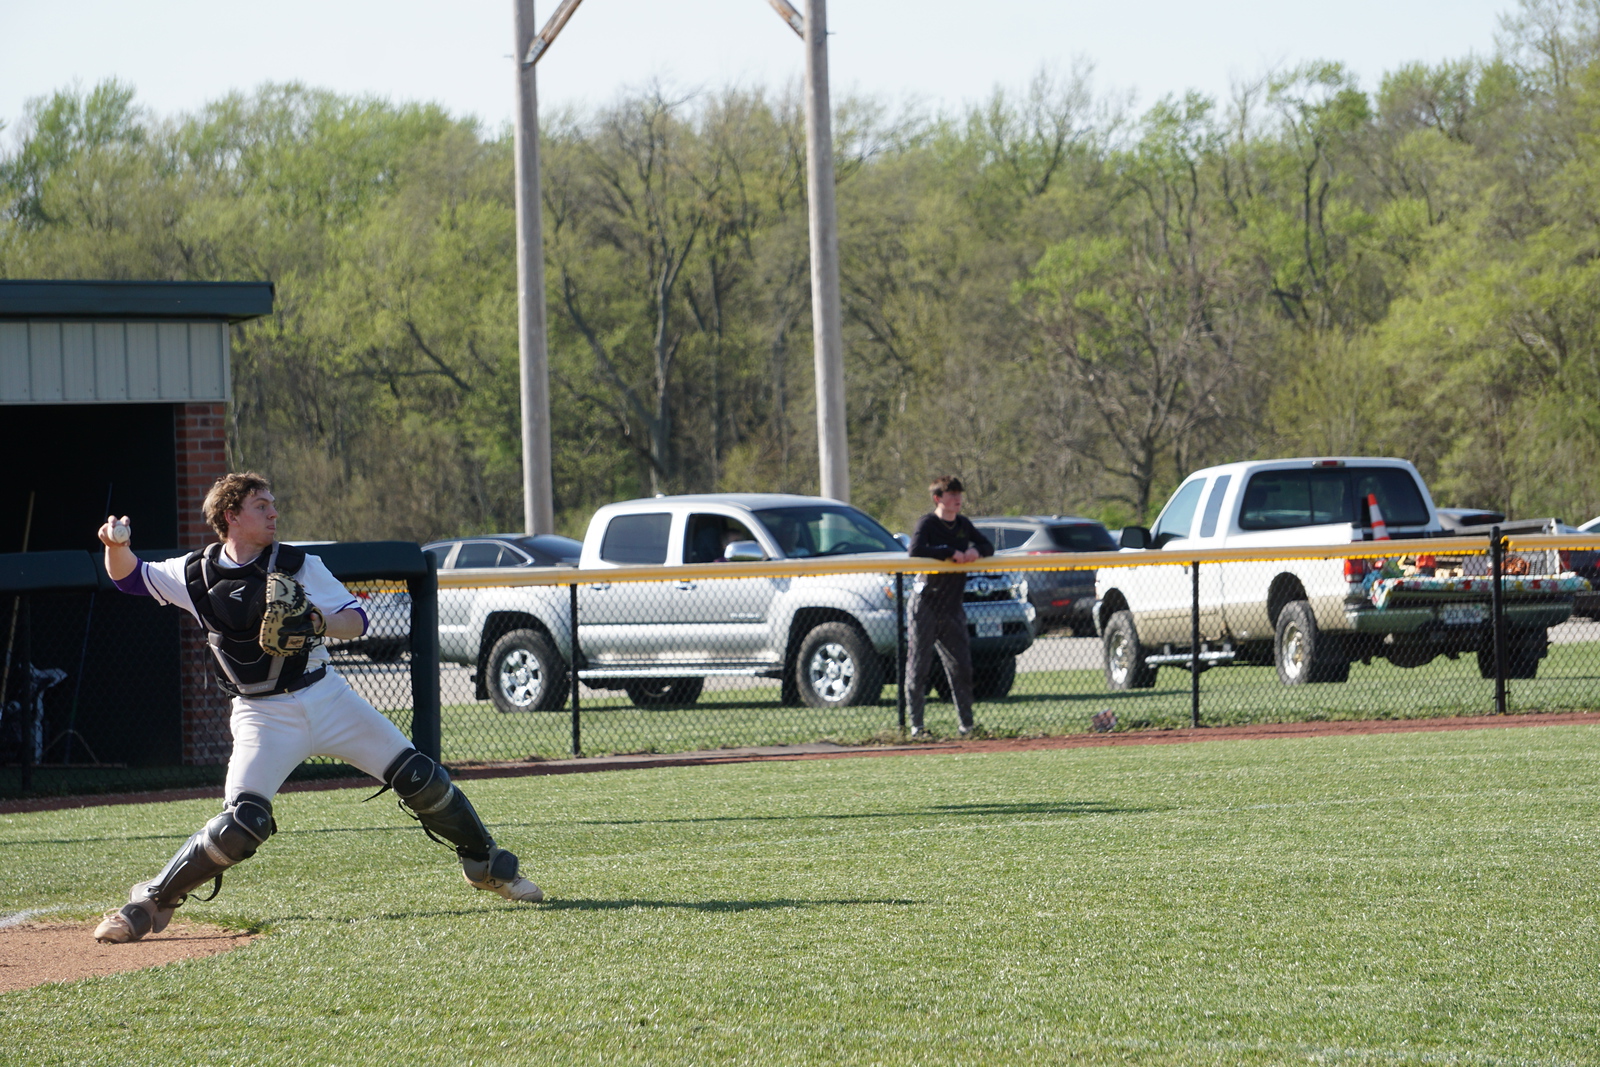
(829, 639)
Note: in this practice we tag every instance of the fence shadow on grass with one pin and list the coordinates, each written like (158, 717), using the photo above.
(1065, 807)
(1043, 807)
(628, 904)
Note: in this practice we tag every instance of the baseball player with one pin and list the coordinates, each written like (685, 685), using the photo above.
(266, 608)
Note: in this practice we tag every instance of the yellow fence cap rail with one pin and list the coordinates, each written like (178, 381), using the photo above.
(817, 566)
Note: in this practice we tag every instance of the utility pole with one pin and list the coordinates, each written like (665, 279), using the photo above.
(826, 316)
(538, 489)
(833, 449)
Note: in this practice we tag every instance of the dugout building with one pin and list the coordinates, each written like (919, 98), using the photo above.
(113, 399)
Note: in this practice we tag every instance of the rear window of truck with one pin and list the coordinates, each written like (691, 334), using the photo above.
(1279, 500)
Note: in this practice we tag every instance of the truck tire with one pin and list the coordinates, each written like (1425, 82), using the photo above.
(1124, 656)
(992, 678)
(838, 667)
(525, 673)
(1302, 652)
(1524, 649)
(664, 692)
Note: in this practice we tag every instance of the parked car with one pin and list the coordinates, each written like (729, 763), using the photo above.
(1585, 563)
(1457, 519)
(505, 550)
(1060, 598)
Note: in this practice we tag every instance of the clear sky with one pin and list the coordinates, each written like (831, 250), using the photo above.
(180, 53)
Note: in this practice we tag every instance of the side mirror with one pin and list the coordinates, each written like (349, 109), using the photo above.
(743, 552)
(1134, 537)
(904, 539)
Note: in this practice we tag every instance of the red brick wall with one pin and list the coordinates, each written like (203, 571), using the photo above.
(202, 459)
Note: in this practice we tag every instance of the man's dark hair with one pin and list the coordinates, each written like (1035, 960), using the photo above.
(229, 494)
(946, 484)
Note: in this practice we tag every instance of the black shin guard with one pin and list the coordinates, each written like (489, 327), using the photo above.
(227, 839)
(428, 795)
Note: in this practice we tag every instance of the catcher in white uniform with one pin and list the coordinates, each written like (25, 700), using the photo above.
(266, 609)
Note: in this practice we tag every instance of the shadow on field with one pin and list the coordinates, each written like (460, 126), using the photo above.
(624, 904)
(1040, 807)
(1043, 807)
(713, 905)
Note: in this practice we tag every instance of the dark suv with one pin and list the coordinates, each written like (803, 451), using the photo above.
(1060, 598)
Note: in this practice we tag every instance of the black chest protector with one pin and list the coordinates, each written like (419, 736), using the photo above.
(229, 601)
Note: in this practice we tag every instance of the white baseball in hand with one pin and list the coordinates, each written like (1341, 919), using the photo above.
(119, 531)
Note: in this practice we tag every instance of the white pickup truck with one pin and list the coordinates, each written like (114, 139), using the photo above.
(1312, 618)
(829, 639)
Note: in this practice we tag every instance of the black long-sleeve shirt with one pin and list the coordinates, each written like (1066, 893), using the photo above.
(936, 539)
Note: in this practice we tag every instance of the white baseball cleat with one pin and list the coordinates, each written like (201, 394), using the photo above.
(518, 888)
(132, 921)
(115, 929)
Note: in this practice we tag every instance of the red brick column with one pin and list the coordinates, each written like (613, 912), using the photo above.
(202, 459)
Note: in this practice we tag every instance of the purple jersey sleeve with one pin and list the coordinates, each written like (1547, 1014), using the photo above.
(134, 582)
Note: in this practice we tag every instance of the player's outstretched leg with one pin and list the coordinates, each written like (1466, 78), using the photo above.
(444, 811)
(233, 836)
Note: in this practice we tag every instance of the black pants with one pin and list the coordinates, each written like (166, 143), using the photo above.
(931, 627)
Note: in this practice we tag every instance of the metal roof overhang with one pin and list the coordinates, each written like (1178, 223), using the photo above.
(187, 301)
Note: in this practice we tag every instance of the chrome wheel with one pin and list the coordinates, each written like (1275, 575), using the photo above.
(1294, 655)
(521, 680)
(831, 671)
(1120, 657)
(1124, 655)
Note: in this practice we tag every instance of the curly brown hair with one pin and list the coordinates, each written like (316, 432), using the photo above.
(229, 494)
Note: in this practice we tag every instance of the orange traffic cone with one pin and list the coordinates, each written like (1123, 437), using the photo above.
(1380, 529)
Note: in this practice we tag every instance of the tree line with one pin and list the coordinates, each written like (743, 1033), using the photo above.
(1067, 303)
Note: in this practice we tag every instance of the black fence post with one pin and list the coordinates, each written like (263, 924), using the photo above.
(575, 660)
(1194, 645)
(900, 647)
(30, 723)
(1497, 617)
(426, 732)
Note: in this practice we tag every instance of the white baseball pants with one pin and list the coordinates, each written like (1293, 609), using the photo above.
(273, 735)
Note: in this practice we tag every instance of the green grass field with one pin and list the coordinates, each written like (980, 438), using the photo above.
(1397, 899)
(1042, 702)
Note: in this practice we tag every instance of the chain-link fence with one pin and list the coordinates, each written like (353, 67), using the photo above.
(767, 652)
(761, 653)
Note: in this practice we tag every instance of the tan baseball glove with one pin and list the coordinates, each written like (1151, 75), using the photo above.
(289, 624)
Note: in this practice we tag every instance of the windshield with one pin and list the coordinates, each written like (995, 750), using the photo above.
(825, 530)
(1178, 515)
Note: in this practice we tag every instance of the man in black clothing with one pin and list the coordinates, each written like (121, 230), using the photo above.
(936, 619)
